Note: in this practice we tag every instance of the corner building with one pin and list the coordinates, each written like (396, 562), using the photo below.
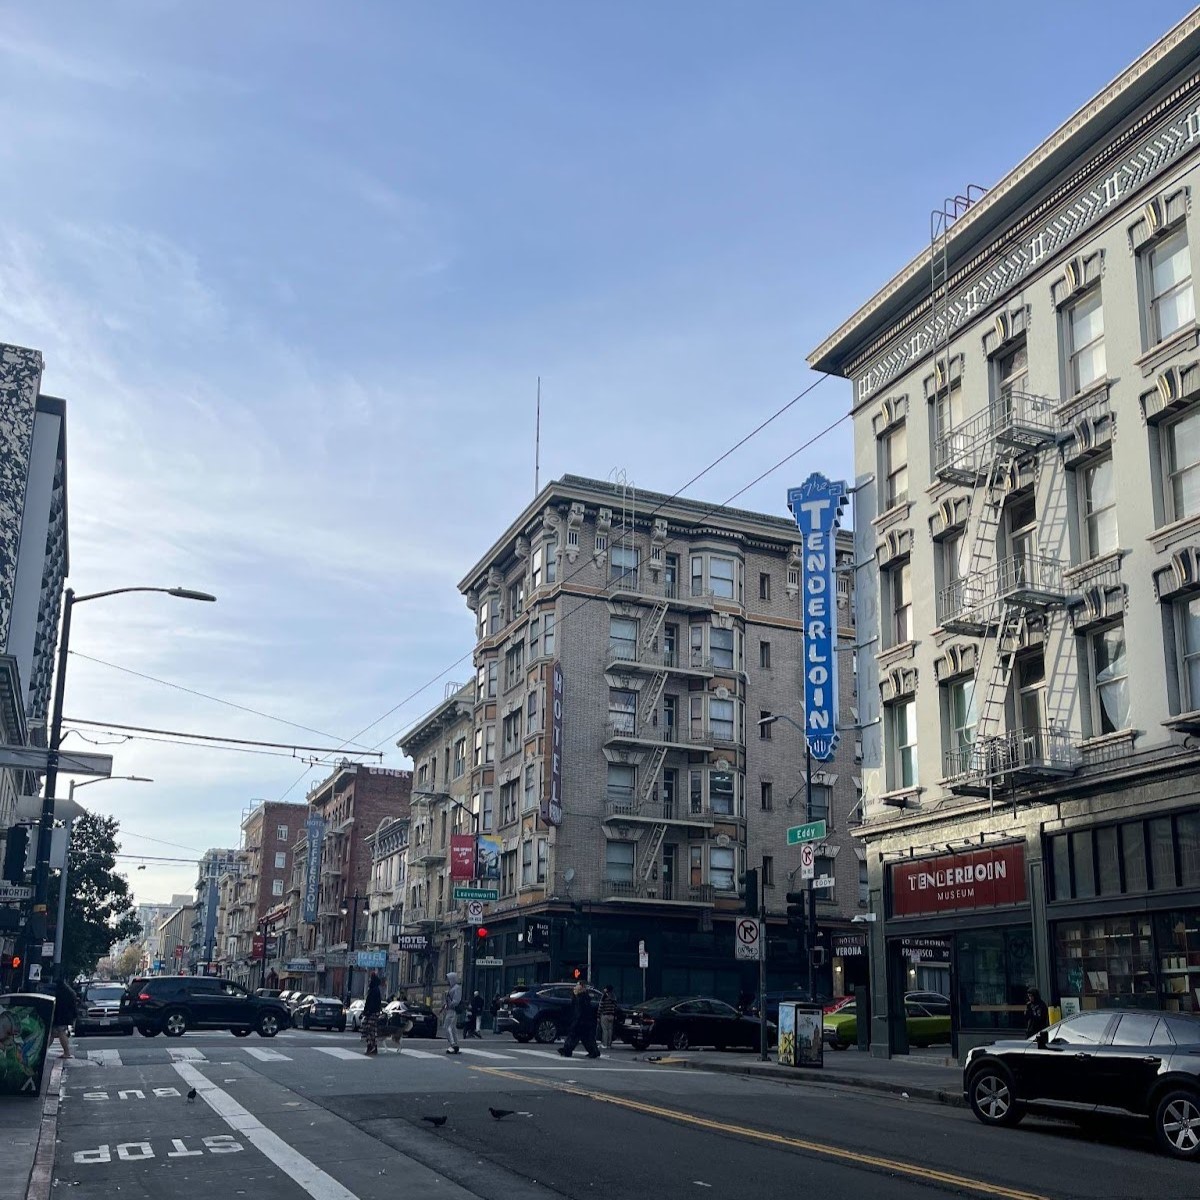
(677, 629)
(1026, 404)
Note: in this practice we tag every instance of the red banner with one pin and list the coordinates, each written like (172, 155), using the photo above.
(256, 946)
(462, 856)
(989, 877)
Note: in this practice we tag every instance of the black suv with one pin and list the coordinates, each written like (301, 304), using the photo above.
(542, 1012)
(173, 1004)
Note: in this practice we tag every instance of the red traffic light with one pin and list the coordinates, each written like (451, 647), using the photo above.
(578, 973)
(16, 962)
(481, 932)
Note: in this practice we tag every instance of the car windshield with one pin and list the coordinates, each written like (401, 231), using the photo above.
(111, 992)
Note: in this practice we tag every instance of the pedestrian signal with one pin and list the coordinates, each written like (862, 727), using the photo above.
(481, 932)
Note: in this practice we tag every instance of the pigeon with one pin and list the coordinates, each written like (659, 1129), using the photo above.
(500, 1113)
(191, 1095)
(438, 1121)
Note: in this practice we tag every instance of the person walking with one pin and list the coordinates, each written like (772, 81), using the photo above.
(583, 1024)
(372, 1007)
(66, 1005)
(452, 1006)
(1037, 1015)
(608, 1015)
(476, 1009)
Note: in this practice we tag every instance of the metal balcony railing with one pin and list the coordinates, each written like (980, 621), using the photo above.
(1019, 756)
(1016, 419)
(656, 659)
(618, 807)
(667, 890)
(1031, 580)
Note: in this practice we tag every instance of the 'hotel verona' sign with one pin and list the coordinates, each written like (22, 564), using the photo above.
(989, 877)
(817, 506)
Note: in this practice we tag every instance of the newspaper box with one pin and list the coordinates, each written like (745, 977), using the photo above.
(25, 1023)
(801, 1034)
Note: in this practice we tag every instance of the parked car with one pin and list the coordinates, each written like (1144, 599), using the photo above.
(268, 993)
(692, 1021)
(173, 1004)
(773, 999)
(1133, 1064)
(99, 1009)
(542, 1012)
(421, 1021)
(324, 1012)
(927, 1024)
(354, 1014)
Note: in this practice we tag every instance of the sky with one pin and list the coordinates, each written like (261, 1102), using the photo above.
(297, 267)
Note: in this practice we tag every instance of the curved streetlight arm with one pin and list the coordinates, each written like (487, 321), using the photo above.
(178, 592)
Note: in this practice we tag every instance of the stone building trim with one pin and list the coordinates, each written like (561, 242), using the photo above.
(1160, 215)
(1009, 326)
(893, 546)
(958, 659)
(1080, 274)
(889, 414)
(1097, 604)
(1089, 426)
(944, 376)
(898, 684)
(949, 516)
(1180, 577)
(1174, 390)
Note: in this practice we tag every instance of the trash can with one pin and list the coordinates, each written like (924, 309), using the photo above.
(26, 1019)
(801, 1034)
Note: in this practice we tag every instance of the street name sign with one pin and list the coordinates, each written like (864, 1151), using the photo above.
(748, 942)
(70, 762)
(15, 891)
(823, 881)
(472, 893)
(814, 831)
(489, 962)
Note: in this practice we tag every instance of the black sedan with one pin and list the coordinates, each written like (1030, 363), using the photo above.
(1126, 1063)
(543, 1012)
(693, 1021)
(320, 1012)
(409, 1019)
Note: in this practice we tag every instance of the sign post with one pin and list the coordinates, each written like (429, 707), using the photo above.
(643, 962)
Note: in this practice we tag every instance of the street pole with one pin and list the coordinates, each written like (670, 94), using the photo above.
(812, 891)
(350, 959)
(762, 963)
(62, 896)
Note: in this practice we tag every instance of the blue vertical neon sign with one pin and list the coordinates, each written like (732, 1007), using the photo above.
(817, 507)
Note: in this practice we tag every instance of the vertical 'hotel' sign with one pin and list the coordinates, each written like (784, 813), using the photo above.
(817, 506)
(552, 783)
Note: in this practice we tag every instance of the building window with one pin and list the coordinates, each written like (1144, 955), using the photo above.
(721, 796)
(894, 453)
(478, 750)
(460, 757)
(487, 818)
(766, 795)
(512, 732)
(819, 808)
(508, 872)
(281, 833)
(961, 719)
(532, 724)
(623, 567)
(1110, 680)
(793, 577)
(1169, 281)
(618, 862)
(696, 791)
(1011, 375)
(537, 568)
(542, 858)
(601, 542)
(768, 871)
(276, 887)
(864, 887)
(1182, 466)
(551, 548)
(765, 724)
(720, 643)
(622, 710)
(529, 800)
(764, 586)
(280, 859)
(720, 718)
(572, 537)
(622, 638)
(485, 610)
(1187, 639)
(948, 411)
(535, 636)
(548, 635)
(516, 599)
(514, 664)
(526, 863)
(1085, 341)
(720, 577)
(721, 869)
(508, 802)
(898, 581)
(481, 682)
(697, 575)
(670, 712)
(489, 743)
(823, 869)
(764, 655)
(902, 731)
(622, 784)
(1098, 502)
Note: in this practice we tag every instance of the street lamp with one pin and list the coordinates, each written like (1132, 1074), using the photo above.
(36, 928)
(352, 913)
(62, 876)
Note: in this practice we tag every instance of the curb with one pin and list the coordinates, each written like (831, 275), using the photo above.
(41, 1176)
(798, 1076)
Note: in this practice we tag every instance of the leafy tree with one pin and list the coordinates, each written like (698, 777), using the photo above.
(128, 961)
(99, 907)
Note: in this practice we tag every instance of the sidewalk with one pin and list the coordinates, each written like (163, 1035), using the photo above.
(922, 1077)
(28, 1126)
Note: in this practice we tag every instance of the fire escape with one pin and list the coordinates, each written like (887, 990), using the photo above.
(996, 598)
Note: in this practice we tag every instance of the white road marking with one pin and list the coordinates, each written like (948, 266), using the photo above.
(186, 1054)
(307, 1174)
(538, 1053)
(488, 1054)
(419, 1053)
(339, 1052)
(266, 1055)
(106, 1058)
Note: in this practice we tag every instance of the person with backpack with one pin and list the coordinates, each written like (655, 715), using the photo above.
(452, 1009)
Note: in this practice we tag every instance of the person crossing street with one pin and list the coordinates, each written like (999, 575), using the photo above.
(452, 1007)
(372, 1007)
(608, 1015)
(583, 1024)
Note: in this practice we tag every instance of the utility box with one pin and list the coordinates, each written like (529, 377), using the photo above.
(26, 1019)
(801, 1034)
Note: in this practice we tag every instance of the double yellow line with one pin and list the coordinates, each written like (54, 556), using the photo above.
(912, 1170)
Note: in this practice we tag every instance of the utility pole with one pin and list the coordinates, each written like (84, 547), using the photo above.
(762, 962)
(811, 938)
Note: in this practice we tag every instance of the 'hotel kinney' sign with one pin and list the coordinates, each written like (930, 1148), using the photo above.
(989, 877)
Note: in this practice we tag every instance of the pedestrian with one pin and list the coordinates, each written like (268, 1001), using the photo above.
(476, 1006)
(372, 1007)
(608, 1015)
(583, 1024)
(1037, 1015)
(66, 1004)
(452, 1008)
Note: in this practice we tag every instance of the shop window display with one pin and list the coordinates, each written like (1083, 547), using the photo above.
(1105, 962)
(1178, 938)
(995, 966)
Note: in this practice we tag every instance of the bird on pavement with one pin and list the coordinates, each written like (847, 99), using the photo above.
(438, 1121)
(500, 1113)
(191, 1095)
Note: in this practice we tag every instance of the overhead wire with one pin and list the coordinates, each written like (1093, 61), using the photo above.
(209, 737)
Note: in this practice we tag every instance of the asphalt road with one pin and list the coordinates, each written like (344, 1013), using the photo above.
(306, 1114)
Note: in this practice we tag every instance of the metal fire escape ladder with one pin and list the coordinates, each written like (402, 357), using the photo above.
(651, 769)
(652, 694)
(1009, 634)
(652, 841)
(987, 506)
(651, 627)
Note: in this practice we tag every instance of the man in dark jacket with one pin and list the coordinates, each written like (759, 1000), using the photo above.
(1037, 1015)
(66, 1005)
(476, 1010)
(583, 1024)
(372, 1007)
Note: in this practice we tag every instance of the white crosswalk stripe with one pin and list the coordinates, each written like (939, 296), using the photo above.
(419, 1053)
(488, 1054)
(266, 1055)
(186, 1054)
(106, 1058)
(537, 1053)
(339, 1052)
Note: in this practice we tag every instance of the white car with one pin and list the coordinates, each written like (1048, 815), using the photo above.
(354, 1014)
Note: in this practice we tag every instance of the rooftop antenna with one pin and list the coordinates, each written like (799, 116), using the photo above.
(537, 442)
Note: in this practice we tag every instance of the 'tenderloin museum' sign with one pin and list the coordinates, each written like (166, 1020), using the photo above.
(990, 877)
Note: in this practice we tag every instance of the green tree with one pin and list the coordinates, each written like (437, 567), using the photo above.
(126, 964)
(99, 907)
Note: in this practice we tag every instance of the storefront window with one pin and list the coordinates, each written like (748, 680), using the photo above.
(1133, 854)
(1105, 962)
(1108, 861)
(1178, 937)
(1081, 857)
(1162, 853)
(1187, 831)
(995, 966)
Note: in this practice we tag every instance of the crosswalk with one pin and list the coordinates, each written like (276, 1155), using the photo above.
(192, 1054)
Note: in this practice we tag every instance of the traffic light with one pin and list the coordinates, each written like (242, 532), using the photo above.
(795, 909)
(15, 848)
(750, 882)
(481, 932)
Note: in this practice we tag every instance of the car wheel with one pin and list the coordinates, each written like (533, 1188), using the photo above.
(521, 1037)
(992, 1097)
(638, 1044)
(679, 1040)
(148, 1031)
(268, 1025)
(546, 1031)
(1177, 1124)
(240, 1032)
(175, 1023)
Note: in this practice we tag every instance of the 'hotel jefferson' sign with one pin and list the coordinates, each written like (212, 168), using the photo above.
(990, 877)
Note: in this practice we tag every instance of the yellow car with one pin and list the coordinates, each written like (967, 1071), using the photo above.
(928, 1022)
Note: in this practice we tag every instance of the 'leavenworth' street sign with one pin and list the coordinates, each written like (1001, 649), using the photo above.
(470, 893)
(814, 831)
(489, 962)
(15, 891)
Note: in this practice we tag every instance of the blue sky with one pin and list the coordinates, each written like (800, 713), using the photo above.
(297, 266)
